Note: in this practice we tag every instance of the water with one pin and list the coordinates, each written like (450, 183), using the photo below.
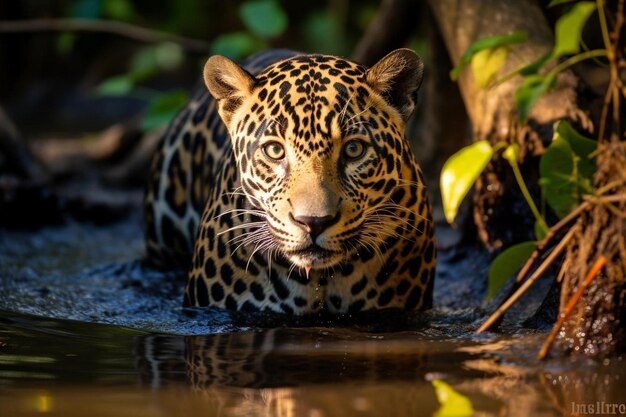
(84, 330)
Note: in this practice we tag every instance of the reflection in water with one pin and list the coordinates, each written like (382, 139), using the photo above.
(74, 369)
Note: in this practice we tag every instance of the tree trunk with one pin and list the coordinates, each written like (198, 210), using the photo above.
(500, 214)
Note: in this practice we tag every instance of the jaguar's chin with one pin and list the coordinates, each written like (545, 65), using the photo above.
(315, 257)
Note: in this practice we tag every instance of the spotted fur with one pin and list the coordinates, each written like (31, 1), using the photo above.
(303, 195)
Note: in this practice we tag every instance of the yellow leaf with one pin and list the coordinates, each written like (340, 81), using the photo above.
(452, 403)
(486, 64)
(459, 174)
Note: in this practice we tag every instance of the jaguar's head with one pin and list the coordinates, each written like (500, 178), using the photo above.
(319, 143)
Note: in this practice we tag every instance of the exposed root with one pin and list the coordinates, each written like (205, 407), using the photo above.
(595, 269)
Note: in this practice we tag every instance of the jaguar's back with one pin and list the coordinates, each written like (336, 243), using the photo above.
(302, 195)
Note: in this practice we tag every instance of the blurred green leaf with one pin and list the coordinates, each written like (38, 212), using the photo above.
(152, 59)
(236, 45)
(485, 64)
(163, 109)
(65, 42)
(264, 18)
(486, 43)
(452, 403)
(533, 87)
(506, 264)
(557, 2)
(536, 65)
(460, 172)
(86, 9)
(115, 86)
(118, 9)
(569, 27)
(324, 33)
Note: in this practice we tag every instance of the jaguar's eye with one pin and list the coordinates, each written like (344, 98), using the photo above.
(274, 150)
(354, 150)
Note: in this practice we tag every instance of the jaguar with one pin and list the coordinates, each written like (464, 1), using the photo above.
(288, 185)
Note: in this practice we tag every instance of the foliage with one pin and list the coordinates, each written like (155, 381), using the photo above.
(459, 174)
(566, 171)
(506, 264)
(566, 168)
(263, 19)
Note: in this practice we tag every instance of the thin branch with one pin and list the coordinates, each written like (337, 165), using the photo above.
(495, 316)
(548, 238)
(593, 272)
(103, 26)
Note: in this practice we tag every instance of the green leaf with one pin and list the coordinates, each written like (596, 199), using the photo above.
(325, 34)
(486, 43)
(557, 2)
(236, 45)
(150, 60)
(118, 9)
(533, 87)
(115, 86)
(65, 42)
(452, 403)
(163, 109)
(535, 66)
(506, 264)
(569, 28)
(486, 64)
(566, 168)
(582, 147)
(264, 18)
(86, 9)
(558, 178)
(459, 174)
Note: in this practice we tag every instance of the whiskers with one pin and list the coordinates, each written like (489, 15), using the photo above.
(249, 229)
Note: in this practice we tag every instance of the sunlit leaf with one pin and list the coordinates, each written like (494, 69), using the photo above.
(486, 64)
(264, 18)
(163, 109)
(533, 87)
(569, 27)
(452, 403)
(486, 43)
(511, 153)
(115, 86)
(459, 174)
(506, 264)
(236, 45)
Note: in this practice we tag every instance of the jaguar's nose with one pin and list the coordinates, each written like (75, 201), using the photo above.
(313, 225)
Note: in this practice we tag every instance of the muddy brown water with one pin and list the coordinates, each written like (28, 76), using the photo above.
(84, 330)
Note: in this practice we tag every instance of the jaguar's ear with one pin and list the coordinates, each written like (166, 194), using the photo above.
(397, 77)
(228, 83)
